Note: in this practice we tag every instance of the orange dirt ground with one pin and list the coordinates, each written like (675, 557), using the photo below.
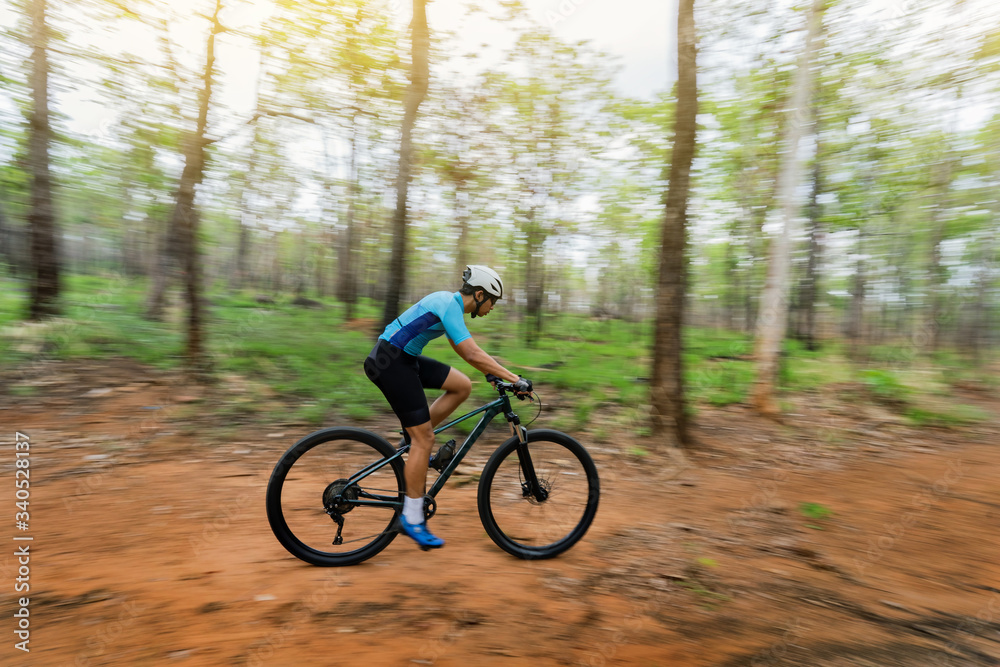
(151, 545)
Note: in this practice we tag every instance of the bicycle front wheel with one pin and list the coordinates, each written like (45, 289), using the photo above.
(316, 482)
(538, 521)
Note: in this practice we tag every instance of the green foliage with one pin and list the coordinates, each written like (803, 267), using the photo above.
(815, 511)
(305, 364)
(884, 385)
(958, 415)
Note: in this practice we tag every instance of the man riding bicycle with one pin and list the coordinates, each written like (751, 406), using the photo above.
(401, 372)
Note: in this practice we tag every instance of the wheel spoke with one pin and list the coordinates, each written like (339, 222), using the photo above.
(307, 498)
(514, 516)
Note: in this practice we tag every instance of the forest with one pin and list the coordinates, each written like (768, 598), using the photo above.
(777, 265)
(342, 164)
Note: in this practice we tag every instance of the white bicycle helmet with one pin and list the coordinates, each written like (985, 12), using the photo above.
(482, 277)
(477, 275)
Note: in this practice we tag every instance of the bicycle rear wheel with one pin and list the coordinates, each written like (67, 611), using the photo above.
(535, 524)
(311, 485)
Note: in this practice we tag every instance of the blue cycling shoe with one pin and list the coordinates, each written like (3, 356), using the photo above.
(420, 534)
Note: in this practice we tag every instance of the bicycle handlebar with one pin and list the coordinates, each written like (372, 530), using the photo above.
(502, 386)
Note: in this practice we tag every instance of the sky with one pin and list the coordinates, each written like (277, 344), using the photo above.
(638, 33)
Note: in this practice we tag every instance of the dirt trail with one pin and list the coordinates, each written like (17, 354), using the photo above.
(151, 546)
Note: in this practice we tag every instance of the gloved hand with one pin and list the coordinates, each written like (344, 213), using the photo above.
(523, 385)
(492, 379)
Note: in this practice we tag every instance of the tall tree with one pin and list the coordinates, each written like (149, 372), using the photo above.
(667, 383)
(184, 220)
(805, 325)
(545, 119)
(46, 283)
(773, 317)
(419, 74)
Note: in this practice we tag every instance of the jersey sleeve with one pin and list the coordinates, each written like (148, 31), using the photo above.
(454, 322)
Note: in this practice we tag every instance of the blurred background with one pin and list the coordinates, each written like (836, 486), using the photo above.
(210, 208)
(256, 146)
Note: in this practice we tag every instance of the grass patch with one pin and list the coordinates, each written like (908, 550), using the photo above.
(815, 512)
(885, 386)
(306, 364)
(958, 415)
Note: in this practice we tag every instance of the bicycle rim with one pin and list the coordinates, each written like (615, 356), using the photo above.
(314, 471)
(518, 521)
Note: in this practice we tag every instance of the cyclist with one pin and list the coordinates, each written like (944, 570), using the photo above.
(401, 372)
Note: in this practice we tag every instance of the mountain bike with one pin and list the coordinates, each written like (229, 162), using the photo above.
(335, 495)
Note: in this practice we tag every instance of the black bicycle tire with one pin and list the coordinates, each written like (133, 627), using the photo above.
(485, 485)
(275, 516)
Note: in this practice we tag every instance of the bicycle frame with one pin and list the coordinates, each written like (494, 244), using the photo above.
(490, 410)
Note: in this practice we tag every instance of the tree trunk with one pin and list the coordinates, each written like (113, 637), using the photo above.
(462, 220)
(8, 252)
(348, 287)
(936, 272)
(419, 73)
(808, 289)
(277, 276)
(319, 254)
(856, 313)
(756, 247)
(732, 285)
(242, 252)
(668, 419)
(979, 328)
(239, 277)
(185, 215)
(46, 284)
(773, 316)
(166, 252)
(534, 269)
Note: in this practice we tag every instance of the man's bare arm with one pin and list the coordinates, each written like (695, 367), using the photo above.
(478, 359)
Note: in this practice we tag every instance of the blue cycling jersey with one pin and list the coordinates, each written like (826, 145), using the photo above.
(435, 314)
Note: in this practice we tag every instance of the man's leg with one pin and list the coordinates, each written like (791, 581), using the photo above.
(421, 443)
(457, 388)
(412, 519)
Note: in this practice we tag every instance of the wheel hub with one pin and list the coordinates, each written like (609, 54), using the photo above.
(544, 486)
(338, 496)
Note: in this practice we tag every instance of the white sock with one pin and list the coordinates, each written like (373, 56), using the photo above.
(413, 509)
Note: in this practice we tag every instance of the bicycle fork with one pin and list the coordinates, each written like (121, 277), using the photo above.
(530, 486)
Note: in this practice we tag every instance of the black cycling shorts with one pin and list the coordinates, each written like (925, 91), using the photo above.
(402, 377)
